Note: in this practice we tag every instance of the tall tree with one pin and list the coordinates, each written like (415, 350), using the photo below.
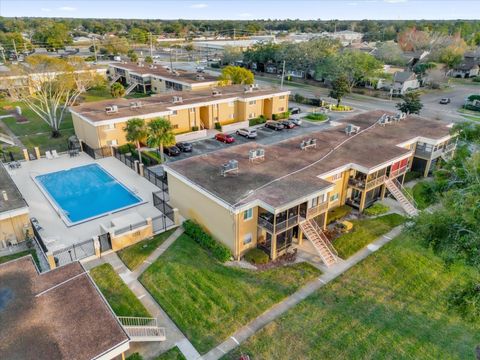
(54, 35)
(236, 75)
(117, 90)
(340, 88)
(116, 45)
(135, 132)
(160, 134)
(148, 59)
(411, 103)
(451, 57)
(60, 84)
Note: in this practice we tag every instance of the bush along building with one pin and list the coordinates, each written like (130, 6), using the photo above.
(191, 113)
(274, 196)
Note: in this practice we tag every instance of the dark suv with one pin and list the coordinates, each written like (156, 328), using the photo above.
(274, 125)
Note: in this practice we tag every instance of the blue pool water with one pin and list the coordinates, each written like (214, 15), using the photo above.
(86, 192)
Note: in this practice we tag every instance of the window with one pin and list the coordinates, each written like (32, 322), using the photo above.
(247, 239)
(112, 142)
(111, 126)
(192, 110)
(281, 97)
(247, 214)
(337, 177)
(174, 112)
(314, 201)
(231, 116)
(253, 102)
(175, 126)
(281, 109)
(251, 115)
(215, 118)
(231, 103)
(155, 88)
(334, 197)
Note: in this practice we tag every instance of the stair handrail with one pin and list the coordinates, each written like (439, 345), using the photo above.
(324, 238)
(138, 321)
(405, 193)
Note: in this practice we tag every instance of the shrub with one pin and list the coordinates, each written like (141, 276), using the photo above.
(376, 209)
(256, 256)
(299, 98)
(473, 97)
(476, 79)
(412, 175)
(194, 128)
(317, 117)
(465, 300)
(280, 116)
(215, 65)
(126, 148)
(218, 126)
(340, 107)
(135, 356)
(338, 213)
(258, 120)
(206, 241)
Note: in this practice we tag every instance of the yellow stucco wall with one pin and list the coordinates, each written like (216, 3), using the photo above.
(12, 228)
(192, 204)
(132, 237)
(247, 227)
(340, 187)
(86, 131)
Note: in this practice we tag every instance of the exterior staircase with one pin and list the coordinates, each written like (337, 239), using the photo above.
(314, 233)
(141, 329)
(115, 79)
(130, 87)
(405, 199)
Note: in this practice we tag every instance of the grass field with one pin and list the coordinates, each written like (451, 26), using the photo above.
(364, 232)
(209, 301)
(20, 254)
(122, 300)
(390, 306)
(134, 255)
(172, 354)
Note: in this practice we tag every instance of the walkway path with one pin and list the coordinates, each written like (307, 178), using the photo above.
(279, 309)
(174, 336)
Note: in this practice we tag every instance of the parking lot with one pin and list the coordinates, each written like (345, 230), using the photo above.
(264, 136)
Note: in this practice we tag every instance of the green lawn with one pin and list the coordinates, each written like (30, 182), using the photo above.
(122, 300)
(364, 232)
(421, 195)
(136, 254)
(209, 301)
(316, 117)
(172, 354)
(96, 94)
(390, 306)
(20, 254)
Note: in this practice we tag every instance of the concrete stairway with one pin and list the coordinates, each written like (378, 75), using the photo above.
(313, 233)
(406, 201)
(141, 329)
(130, 87)
(115, 79)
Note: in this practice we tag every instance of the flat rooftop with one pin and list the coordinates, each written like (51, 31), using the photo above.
(95, 111)
(55, 315)
(289, 173)
(160, 71)
(15, 198)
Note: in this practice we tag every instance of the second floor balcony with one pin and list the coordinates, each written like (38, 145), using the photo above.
(433, 152)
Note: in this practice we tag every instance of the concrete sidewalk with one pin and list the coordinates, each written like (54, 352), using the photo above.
(279, 309)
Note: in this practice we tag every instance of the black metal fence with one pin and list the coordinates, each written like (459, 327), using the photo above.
(98, 153)
(161, 204)
(74, 252)
(160, 181)
(39, 237)
(126, 159)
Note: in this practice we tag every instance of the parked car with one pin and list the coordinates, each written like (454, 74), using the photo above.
(248, 133)
(296, 122)
(274, 125)
(295, 110)
(171, 150)
(445, 101)
(184, 146)
(226, 138)
(287, 124)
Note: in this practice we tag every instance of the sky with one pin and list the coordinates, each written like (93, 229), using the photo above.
(245, 10)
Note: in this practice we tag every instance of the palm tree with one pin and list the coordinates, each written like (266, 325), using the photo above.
(160, 134)
(135, 132)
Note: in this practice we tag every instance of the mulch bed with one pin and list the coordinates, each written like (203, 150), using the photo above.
(283, 260)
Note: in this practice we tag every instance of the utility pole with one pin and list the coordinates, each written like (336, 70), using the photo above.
(3, 55)
(171, 63)
(233, 34)
(95, 49)
(283, 75)
(15, 49)
(151, 46)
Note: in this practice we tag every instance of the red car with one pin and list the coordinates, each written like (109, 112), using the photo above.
(227, 139)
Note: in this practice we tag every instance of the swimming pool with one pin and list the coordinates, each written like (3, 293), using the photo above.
(85, 192)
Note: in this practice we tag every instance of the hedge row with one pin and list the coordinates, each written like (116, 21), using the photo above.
(218, 250)
(280, 116)
(257, 121)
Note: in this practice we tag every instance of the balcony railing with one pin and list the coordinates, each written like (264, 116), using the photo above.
(398, 172)
(280, 226)
(265, 224)
(375, 182)
(434, 154)
(318, 209)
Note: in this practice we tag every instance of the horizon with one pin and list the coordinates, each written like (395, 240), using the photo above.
(217, 10)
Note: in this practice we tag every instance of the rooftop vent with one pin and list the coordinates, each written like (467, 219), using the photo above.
(256, 155)
(5, 196)
(250, 88)
(111, 109)
(230, 167)
(307, 144)
(175, 72)
(135, 105)
(200, 77)
(351, 129)
(177, 99)
(216, 92)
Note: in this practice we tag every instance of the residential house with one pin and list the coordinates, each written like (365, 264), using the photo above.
(270, 196)
(191, 113)
(404, 81)
(14, 214)
(469, 67)
(157, 79)
(59, 314)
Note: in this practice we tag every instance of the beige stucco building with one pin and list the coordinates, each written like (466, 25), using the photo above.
(271, 198)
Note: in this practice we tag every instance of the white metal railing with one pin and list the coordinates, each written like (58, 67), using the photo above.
(323, 237)
(142, 328)
(404, 192)
(399, 171)
(375, 182)
(130, 227)
(318, 209)
(137, 321)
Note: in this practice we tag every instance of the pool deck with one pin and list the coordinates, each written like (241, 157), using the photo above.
(55, 233)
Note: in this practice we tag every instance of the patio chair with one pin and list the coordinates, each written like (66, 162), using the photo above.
(55, 154)
(48, 155)
(17, 164)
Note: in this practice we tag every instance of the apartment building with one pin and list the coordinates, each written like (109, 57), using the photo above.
(101, 124)
(14, 214)
(271, 196)
(158, 79)
(59, 314)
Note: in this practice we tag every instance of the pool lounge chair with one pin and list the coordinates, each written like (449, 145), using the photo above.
(48, 155)
(55, 154)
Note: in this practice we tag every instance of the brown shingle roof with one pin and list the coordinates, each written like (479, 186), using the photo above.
(71, 321)
(289, 173)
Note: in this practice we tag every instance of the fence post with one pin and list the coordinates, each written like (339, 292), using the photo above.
(136, 166)
(25, 155)
(141, 169)
(37, 152)
(51, 260)
(176, 216)
(96, 246)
